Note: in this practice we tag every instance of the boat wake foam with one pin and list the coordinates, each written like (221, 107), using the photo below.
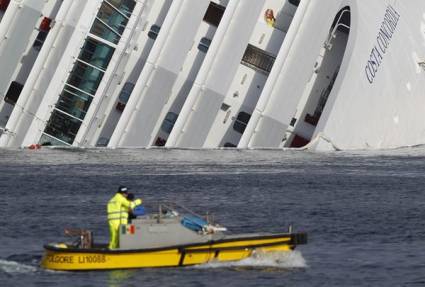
(12, 267)
(279, 260)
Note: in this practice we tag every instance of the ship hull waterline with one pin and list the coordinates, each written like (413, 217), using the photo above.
(75, 259)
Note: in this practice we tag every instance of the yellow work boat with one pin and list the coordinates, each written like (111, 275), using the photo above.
(166, 239)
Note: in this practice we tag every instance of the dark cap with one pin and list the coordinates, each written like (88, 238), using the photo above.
(122, 189)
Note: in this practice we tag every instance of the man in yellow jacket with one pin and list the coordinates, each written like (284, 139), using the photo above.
(118, 208)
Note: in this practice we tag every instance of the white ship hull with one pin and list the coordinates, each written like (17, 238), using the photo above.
(343, 74)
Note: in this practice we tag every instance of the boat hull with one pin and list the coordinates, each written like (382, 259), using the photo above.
(58, 257)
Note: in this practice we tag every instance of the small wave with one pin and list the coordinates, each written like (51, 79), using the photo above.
(12, 267)
(279, 260)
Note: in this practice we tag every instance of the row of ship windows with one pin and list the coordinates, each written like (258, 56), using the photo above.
(94, 59)
(253, 57)
(203, 46)
(239, 125)
(212, 16)
(88, 71)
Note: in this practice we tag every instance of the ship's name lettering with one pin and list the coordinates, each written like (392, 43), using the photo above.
(60, 259)
(90, 259)
(383, 41)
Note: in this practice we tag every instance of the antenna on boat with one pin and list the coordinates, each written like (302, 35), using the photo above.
(159, 213)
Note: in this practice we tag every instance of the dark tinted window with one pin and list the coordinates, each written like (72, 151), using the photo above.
(39, 41)
(13, 93)
(126, 92)
(214, 14)
(154, 31)
(204, 44)
(63, 127)
(258, 59)
(295, 2)
(74, 104)
(241, 122)
(168, 123)
(125, 6)
(229, 145)
(96, 53)
(85, 78)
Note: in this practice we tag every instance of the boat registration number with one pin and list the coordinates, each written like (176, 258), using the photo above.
(89, 259)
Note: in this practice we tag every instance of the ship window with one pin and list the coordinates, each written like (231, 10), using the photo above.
(124, 6)
(160, 142)
(168, 123)
(154, 31)
(109, 23)
(229, 145)
(225, 107)
(63, 127)
(126, 92)
(85, 78)
(96, 53)
(39, 41)
(241, 122)
(204, 44)
(258, 59)
(76, 105)
(47, 140)
(102, 142)
(295, 2)
(13, 93)
(101, 30)
(112, 18)
(214, 14)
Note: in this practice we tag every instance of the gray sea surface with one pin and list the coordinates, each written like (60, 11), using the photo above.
(364, 212)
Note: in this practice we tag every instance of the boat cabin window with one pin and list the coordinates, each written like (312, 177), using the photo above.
(241, 122)
(258, 59)
(214, 14)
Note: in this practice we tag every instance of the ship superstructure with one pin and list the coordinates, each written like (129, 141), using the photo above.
(343, 74)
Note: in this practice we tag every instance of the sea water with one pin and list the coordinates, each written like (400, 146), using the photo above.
(364, 212)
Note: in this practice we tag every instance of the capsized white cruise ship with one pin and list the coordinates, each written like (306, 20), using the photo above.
(340, 74)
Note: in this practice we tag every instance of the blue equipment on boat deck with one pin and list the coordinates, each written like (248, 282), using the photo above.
(194, 223)
(139, 210)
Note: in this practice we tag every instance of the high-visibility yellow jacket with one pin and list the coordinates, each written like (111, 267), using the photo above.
(135, 203)
(118, 207)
